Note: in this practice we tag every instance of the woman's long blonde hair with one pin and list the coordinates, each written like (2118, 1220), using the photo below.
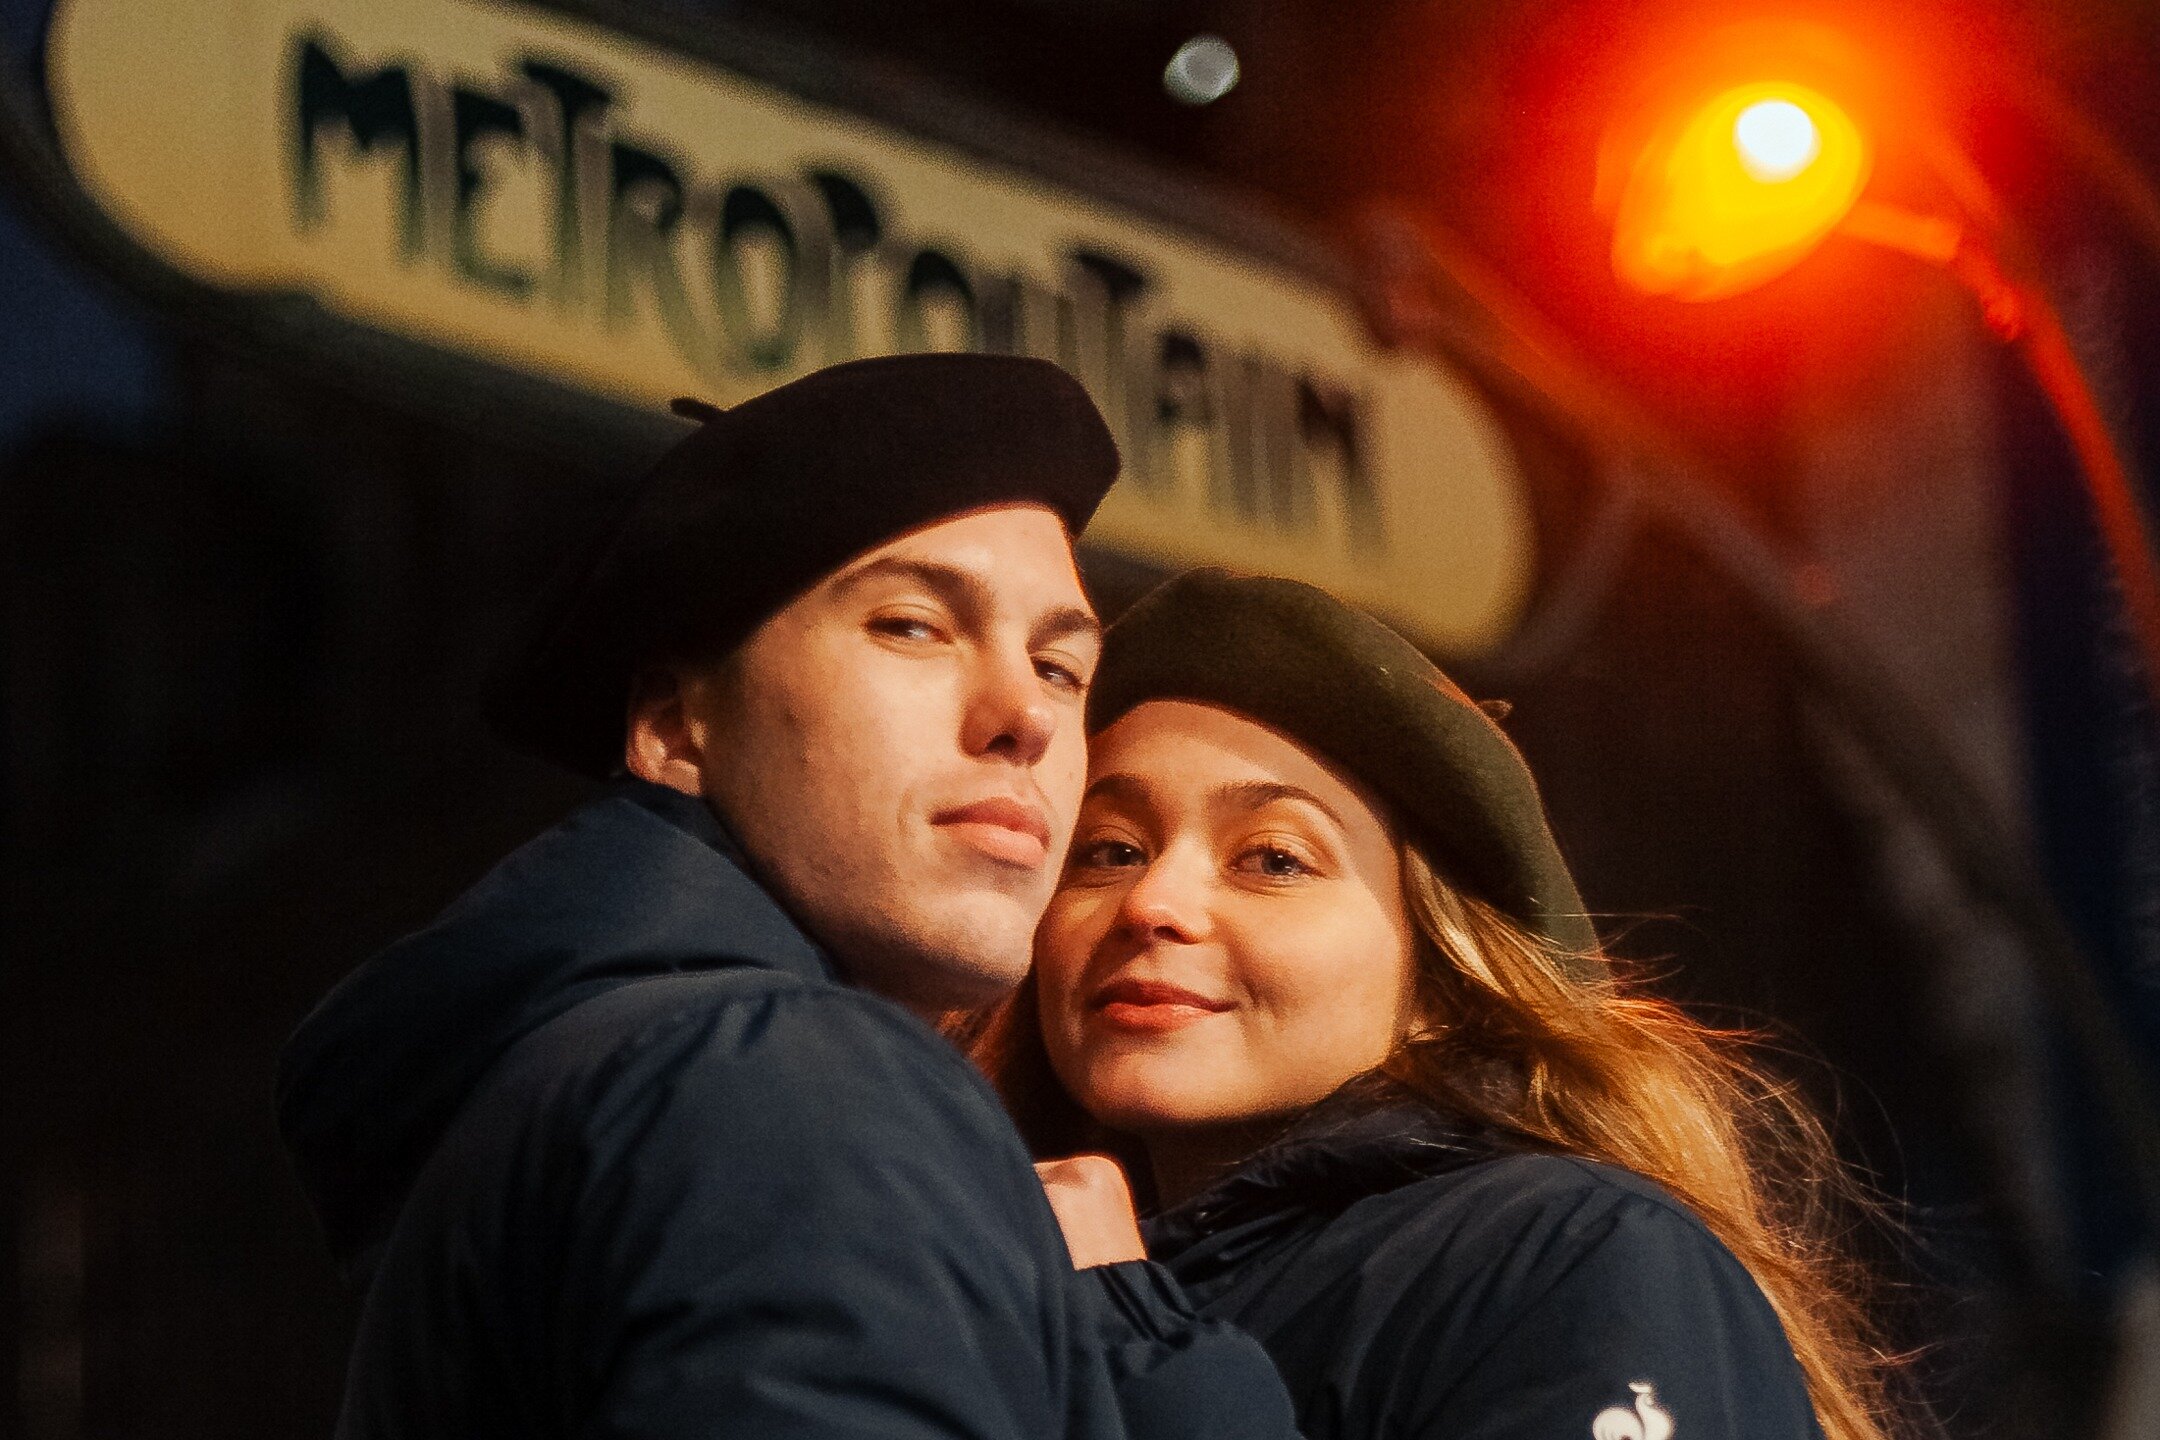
(1560, 1055)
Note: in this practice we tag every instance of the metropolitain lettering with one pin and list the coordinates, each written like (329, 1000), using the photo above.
(537, 191)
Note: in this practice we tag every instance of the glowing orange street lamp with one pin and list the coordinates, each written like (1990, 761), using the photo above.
(1724, 197)
(1738, 191)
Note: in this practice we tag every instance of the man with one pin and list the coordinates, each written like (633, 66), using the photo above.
(638, 1139)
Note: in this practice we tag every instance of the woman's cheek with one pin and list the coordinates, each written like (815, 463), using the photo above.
(1327, 1037)
(1061, 951)
(1296, 1040)
(1059, 1011)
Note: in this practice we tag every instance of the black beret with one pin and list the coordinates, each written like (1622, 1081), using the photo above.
(762, 501)
(1342, 684)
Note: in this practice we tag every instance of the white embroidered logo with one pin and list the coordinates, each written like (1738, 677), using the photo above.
(1647, 1421)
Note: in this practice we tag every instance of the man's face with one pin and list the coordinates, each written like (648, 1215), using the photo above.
(900, 750)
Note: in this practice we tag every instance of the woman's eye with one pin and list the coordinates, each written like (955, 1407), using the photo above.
(1107, 855)
(1273, 862)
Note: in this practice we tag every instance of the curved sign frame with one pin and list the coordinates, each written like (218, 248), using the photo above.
(595, 213)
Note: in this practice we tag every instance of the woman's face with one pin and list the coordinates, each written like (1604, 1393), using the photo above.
(1228, 942)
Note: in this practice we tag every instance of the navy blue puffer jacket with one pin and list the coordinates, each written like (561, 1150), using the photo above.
(620, 1157)
(1414, 1282)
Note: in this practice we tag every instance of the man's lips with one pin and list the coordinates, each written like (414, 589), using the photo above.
(1152, 1006)
(1008, 831)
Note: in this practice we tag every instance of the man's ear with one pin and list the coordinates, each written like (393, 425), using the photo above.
(659, 742)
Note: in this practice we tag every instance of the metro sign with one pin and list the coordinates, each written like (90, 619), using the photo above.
(543, 194)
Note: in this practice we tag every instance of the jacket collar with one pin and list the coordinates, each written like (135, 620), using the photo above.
(739, 914)
(641, 882)
(1368, 1138)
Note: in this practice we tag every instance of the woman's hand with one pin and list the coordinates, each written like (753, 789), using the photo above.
(1094, 1208)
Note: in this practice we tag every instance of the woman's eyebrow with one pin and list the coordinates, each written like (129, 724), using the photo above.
(1116, 786)
(1253, 794)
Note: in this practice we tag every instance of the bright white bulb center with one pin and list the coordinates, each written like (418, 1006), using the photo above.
(1776, 140)
(1202, 71)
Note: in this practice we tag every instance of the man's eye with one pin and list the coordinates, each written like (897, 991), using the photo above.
(904, 627)
(1056, 672)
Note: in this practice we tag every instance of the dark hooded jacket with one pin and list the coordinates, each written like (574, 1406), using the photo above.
(1413, 1281)
(620, 1157)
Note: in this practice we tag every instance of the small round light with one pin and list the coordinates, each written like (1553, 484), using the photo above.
(1202, 71)
(1776, 140)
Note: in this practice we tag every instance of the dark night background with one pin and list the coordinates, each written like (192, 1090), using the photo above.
(246, 603)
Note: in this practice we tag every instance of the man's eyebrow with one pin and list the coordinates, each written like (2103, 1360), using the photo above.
(1253, 794)
(1063, 621)
(963, 590)
(970, 596)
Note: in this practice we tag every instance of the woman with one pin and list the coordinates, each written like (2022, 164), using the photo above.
(1317, 972)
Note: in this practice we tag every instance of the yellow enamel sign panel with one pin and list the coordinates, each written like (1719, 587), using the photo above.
(545, 194)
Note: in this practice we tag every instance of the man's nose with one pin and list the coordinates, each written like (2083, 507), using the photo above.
(1010, 715)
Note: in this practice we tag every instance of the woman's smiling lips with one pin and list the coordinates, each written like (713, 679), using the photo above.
(1152, 1006)
(1005, 830)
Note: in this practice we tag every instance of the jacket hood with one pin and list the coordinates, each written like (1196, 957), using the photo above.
(642, 882)
(1366, 1139)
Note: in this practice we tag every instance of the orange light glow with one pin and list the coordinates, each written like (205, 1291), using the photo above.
(1724, 198)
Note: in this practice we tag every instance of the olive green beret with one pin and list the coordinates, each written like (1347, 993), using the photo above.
(764, 500)
(1362, 697)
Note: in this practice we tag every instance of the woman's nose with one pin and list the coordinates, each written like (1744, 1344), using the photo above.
(1167, 902)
